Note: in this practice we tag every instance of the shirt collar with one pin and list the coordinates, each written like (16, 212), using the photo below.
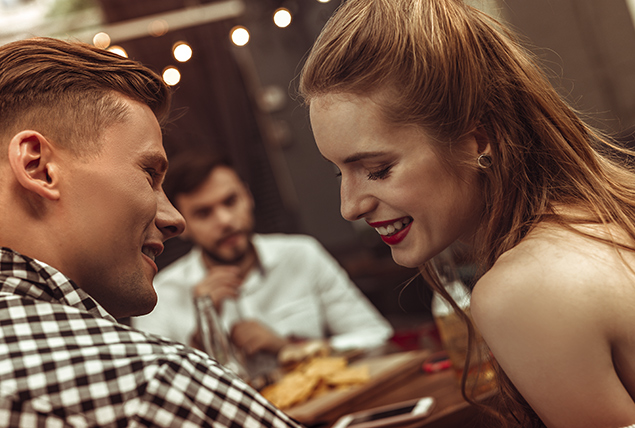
(266, 259)
(34, 279)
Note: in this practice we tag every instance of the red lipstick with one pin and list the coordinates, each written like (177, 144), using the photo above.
(397, 237)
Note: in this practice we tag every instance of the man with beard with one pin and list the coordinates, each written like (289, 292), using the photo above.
(270, 290)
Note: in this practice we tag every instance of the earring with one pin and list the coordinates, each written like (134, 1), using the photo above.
(484, 160)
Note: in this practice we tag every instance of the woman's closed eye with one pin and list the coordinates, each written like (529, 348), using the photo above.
(372, 175)
(380, 174)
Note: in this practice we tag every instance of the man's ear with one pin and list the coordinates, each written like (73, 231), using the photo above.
(186, 235)
(31, 157)
(250, 196)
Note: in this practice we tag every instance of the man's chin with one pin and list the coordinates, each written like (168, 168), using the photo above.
(227, 259)
(230, 257)
(143, 306)
(142, 301)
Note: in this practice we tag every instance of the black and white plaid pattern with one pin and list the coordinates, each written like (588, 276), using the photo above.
(65, 362)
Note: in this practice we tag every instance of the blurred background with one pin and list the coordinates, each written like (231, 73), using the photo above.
(234, 66)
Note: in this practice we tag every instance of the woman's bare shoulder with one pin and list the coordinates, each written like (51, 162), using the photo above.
(556, 272)
(559, 262)
(552, 308)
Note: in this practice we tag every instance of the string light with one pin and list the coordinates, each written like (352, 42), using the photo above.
(182, 51)
(240, 36)
(282, 17)
(118, 50)
(101, 40)
(171, 76)
(158, 27)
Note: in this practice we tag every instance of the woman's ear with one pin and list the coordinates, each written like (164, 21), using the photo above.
(475, 144)
(481, 141)
(32, 161)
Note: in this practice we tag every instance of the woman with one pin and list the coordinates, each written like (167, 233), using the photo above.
(444, 129)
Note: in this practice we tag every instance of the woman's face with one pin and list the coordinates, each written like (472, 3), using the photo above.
(392, 177)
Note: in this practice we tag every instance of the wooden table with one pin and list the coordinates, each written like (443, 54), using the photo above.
(451, 409)
(402, 380)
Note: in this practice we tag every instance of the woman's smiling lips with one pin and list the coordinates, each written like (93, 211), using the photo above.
(392, 232)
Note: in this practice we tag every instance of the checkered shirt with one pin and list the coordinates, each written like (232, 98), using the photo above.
(65, 362)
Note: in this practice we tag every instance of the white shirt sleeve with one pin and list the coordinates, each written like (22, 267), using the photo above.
(351, 319)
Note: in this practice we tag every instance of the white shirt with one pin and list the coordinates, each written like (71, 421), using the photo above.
(299, 291)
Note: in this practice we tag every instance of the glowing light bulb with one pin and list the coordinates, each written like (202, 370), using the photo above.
(101, 40)
(240, 36)
(182, 51)
(118, 50)
(158, 27)
(171, 76)
(282, 17)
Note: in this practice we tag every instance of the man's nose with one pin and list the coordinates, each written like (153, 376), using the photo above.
(224, 215)
(169, 220)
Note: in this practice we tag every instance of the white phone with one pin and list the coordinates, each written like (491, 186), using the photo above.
(392, 414)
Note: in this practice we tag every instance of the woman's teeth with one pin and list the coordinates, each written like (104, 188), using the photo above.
(391, 229)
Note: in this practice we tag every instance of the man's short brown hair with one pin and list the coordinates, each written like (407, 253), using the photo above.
(69, 91)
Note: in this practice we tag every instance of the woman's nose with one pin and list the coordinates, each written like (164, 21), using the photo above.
(355, 202)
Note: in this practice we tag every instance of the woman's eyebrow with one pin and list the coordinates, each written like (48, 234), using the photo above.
(362, 155)
(357, 157)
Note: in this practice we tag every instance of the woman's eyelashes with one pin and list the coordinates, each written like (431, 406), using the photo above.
(372, 175)
(380, 174)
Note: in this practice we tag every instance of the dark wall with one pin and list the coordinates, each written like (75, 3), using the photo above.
(214, 105)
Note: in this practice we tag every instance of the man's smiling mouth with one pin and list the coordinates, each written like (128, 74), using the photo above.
(150, 252)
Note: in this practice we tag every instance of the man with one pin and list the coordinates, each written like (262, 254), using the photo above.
(271, 290)
(83, 218)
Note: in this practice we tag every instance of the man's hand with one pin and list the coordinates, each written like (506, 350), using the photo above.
(252, 337)
(222, 282)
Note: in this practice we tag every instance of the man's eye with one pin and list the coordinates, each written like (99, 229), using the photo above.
(338, 173)
(231, 201)
(152, 173)
(202, 213)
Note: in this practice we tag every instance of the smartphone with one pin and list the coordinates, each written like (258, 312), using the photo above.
(392, 414)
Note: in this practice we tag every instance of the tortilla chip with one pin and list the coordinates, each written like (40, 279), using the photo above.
(292, 389)
(323, 366)
(349, 376)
